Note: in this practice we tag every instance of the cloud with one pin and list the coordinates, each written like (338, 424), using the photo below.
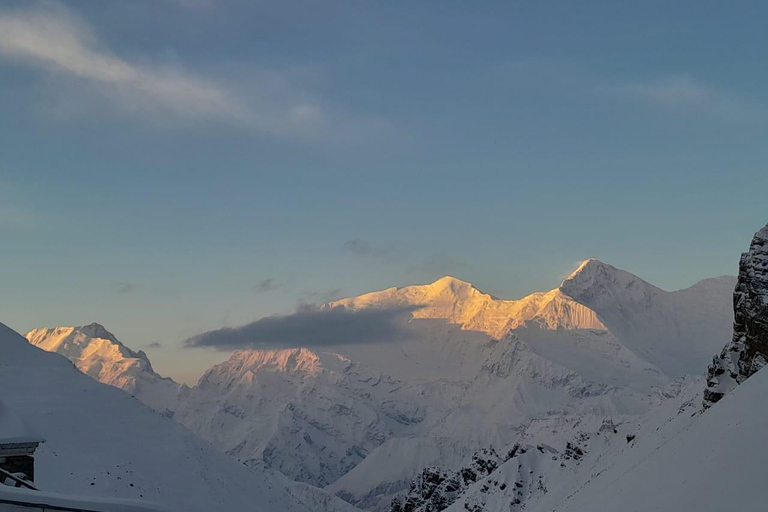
(83, 74)
(49, 36)
(437, 264)
(123, 287)
(267, 285)
(680, 91)
(677, 92)
(367, 249)
(154, 344)
(310, 326)
(319, 296)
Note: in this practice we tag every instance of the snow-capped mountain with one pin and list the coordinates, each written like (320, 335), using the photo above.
(312, 416)
(460, 303)
(476, 372)
(101, 442)
(675, 331)
(98, 353)
(748, 350)
(673, 458)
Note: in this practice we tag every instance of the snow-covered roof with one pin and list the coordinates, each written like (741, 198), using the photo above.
(14, 430)
(54, 501)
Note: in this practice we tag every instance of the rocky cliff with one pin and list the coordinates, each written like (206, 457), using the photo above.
(747, 352)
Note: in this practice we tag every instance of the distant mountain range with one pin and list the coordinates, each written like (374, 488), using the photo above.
(474, 372)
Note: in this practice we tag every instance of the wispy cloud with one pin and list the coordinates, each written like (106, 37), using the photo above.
(123, 287)
(50, 36)
(312, 327)
(674, 92)
(322, 297)
(438, 264)
(267, 285)
(154, 344)
(367, 249)
(684, 92)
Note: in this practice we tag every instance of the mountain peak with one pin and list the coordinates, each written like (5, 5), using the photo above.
(590, 266)
(96, 330)
(447, 281)
(595, 283)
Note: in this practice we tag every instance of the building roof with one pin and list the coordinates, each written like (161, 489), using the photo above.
(14, 430)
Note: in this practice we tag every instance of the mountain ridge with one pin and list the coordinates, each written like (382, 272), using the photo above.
(99, 354)
(362, 419)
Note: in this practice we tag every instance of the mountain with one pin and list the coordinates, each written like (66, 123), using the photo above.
(748, 350)
(101, 442)
(98, 353)
(460, 303)
(705, 463)
(475, 372)
(675, 331)
(672, 458)
(313, 416)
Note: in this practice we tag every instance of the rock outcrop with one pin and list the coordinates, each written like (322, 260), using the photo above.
(748, 350)
(435, 489)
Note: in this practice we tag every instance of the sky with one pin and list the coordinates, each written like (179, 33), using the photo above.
(170, 167)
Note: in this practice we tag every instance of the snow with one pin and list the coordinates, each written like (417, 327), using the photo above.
(673, 458)
(747, 352)
(676, 331)
(476, 372)
(103, 443)
(713, 463)
(45, 500)
(14, 430)
(98, 353)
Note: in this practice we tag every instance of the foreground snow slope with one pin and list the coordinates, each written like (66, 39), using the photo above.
(547, 467)
(713, 464)
(102, 442)
(98, 353)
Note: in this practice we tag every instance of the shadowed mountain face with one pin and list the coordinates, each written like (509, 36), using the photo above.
(675, 331)
(748, 350)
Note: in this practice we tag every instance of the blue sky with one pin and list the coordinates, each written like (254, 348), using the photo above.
(173, 166)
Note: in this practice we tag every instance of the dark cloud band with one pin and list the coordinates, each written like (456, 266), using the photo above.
(312, 327)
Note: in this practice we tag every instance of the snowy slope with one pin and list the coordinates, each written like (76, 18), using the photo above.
(477, 372)
(713, 463)
(102, 442)
(98, 353)
(550, 466)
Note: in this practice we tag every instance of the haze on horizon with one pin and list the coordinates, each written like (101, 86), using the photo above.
(175, 166)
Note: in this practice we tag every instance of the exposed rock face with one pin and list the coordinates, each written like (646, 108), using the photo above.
(748, 350)
(435, 488)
